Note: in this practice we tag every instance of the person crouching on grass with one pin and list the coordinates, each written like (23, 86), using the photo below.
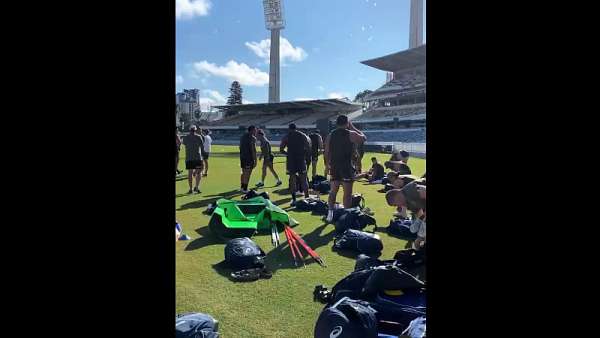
(412, 197)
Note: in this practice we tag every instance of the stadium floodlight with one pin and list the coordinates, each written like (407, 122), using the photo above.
(274, 22)
(273, 14)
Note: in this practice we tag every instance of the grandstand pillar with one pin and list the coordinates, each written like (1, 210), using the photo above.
(274, 67)
(416, 24)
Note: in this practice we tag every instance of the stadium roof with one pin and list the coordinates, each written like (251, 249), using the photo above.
(334, 104)
(406, 59)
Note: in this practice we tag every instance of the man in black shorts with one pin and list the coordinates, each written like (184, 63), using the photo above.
(316, 145)
(267, 156)
(298, 147)
(339, 148)
(177, 148)
(194, 148)
(247, 156)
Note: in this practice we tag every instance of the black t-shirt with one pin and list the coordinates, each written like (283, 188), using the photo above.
(341, 149)
(247, 147)
(297, 144)
(314, 139)
(378, 171)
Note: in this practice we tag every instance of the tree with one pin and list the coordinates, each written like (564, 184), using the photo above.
(235, 93)
(360, 97)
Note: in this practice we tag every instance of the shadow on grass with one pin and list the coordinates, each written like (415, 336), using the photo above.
(282, 201)
(223, 269)
(347, 253)
(283, 191)
(226, 194)
(207, 239)
(198, 204)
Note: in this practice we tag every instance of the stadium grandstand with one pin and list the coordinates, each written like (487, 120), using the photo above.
(275, 117)
(394, 113)
(403, 98)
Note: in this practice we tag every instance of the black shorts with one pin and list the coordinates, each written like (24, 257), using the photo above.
(296, 165)
(246, 163)
(268, 159)
(194, 164)
(205, 156)
(344, 174)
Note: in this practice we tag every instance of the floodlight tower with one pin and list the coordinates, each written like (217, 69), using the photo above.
(416, 24)
(274, 22)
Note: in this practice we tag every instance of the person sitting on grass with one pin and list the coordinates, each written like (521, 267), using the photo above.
(399, 162)
(267, 158)
(375, 174)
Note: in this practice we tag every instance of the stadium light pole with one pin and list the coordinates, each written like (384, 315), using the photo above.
(275, 23)
(416, 24)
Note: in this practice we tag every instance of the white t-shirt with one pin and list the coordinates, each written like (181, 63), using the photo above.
(207, 143)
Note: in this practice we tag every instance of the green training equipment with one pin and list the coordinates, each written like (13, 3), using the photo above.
(232, 219)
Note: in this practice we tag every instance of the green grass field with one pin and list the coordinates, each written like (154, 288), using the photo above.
(278, 307)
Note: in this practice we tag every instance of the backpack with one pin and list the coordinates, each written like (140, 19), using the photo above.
(323, 187)
(348, 318)
(366, 284)
(351, 218)
(358, 201)
(401, 228)
(317, 206)
(359, 241)
(303, 205)
(317, 179)
(243, 253)
(196, 325)
(253, 193)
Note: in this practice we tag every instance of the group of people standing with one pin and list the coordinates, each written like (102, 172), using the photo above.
(341, 156)
(198, 144)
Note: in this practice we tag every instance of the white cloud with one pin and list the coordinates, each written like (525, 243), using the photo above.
(304, 98)
(370, 38)
(336, 95)
(262, 49)
(234, 71)
(362, 28)
(215, 95)
(178, 79)
(187, 9)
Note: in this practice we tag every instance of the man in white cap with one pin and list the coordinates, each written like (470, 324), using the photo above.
(194, 149)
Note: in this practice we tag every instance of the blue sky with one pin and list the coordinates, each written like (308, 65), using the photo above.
(218, 41)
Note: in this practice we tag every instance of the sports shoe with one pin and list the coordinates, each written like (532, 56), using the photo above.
(260, 184)
(329, 217)
(278, 183)
(190, 192)
(197, 190)
(244, 191)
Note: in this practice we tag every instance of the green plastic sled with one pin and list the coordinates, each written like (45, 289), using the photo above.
(233, 219)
